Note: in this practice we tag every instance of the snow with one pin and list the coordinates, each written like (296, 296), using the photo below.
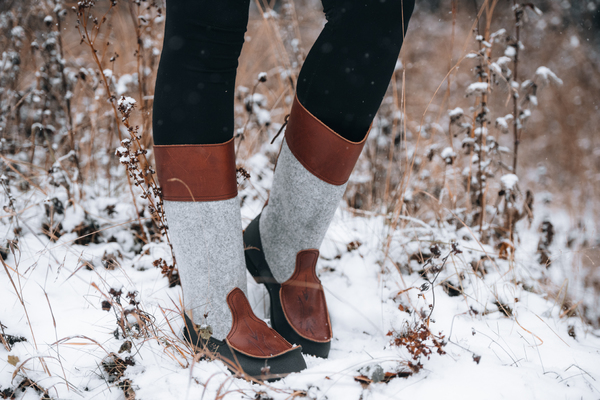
(502, 123)
(574, 41)
(477, 88)
(509, 181)
(122, 84)
(457, 112)
(503, 61)
(501, 33)
(496, 68)
(480, 131)
(126, 103)
(372, 288)
(510, 52)
(546, 75)
(18, 32)
(263, 116)
(448, 153)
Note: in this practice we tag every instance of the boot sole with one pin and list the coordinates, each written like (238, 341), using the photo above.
(250, 368)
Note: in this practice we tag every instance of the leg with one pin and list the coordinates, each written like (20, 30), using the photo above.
(195, 163)
(348, 70)
(340, 88)
(195, 84)
(194, 106)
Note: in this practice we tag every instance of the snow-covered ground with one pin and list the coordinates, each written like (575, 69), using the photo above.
(501, 335)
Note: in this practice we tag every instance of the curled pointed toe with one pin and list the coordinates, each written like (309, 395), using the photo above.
(251, 350)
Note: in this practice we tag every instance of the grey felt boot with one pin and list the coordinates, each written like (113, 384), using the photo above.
(203, 212)
(300, 209)
(207, 242)
(312, 171)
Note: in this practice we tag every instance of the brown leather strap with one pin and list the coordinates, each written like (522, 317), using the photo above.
(249, 334)
(303, 299)
(319, 149)
(193, 172)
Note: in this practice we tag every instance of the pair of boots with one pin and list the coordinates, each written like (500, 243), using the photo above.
(200, 199)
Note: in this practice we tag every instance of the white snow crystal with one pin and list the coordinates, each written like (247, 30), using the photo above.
(574, 41)
(502, 61)
(509, 181)
(455, 113)
(533, 100)
(502, 122)
(18, 31)
(498, 34)
(510, 51)
(257, 99)
(127, 103)
(448, 152)
(481, 130)
(295, 44)
(263, 116)
(526, 84)
(526, 113)
(124, 80)
(120, 150)
(477, 88)
(496, 68)
(546, 75)
(468, 141)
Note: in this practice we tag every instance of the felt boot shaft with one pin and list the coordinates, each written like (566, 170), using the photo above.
(310, 179)
(205, 227)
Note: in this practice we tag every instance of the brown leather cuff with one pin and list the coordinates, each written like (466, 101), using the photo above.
(324, 153)
(193, 172)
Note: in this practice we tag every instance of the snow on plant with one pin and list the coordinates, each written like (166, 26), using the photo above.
(488, 159)
(132, 154)
(84, 236)
(126, 105)
(254, 106)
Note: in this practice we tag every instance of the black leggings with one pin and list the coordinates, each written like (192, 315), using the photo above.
(342, 81)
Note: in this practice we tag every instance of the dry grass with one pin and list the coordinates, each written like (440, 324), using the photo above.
(60, 125)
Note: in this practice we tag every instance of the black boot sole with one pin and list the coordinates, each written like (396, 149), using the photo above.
(259, 269)
(262, 369)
